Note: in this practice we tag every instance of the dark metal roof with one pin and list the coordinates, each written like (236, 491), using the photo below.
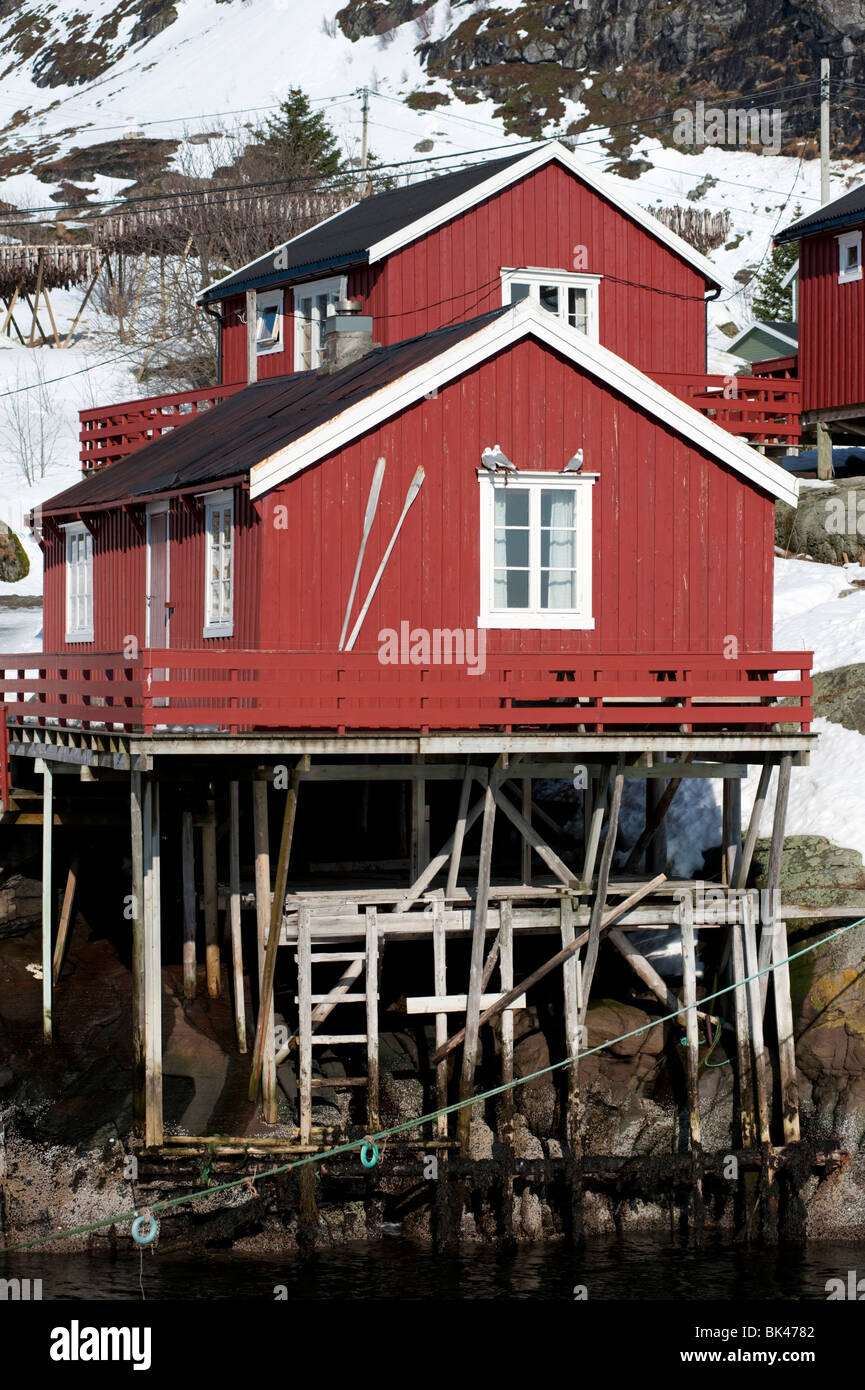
(841, 212)
(230, 439)
(346, 238)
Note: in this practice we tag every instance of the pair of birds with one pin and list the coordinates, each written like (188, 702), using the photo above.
(495, 461)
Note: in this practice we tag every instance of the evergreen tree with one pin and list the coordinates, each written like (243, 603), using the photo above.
(299, 140)
(772, 303)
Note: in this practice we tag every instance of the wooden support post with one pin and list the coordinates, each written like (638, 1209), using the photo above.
(262, 916)
(786, 1042)
(419, 853)
(692, 1037)
(473, 1003)
(731, 837)
(441, 1024)
(459, 833)
(506, 979)
(211, 916)
(743, 1041)
(372, 1104)
(152, 967)
(825, 468)
(447, 851)
(655, 821)
(251, 337)
(600, 898)
(593, 836)
(656, 856)
(277, 910)
(304, 1001)
(570, 971)
(66, 914)
(136, 816)
(47, 889)
(749, 908)
(187, 855)
(526, 848)
(40, 271)
(772, 894)
(234, 912)
(532, 838)
(744, 867)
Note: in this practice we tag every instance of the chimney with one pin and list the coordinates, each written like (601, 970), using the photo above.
(348, 335)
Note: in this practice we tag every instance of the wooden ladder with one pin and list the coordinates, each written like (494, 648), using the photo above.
(357, 963)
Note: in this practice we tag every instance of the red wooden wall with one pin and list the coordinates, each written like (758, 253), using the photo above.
(831, 328)
(652, 309)
(683, 546)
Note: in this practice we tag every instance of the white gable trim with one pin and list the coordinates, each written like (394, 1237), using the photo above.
(791, 275)
(536, 159)
(768, 330)
(523, 320)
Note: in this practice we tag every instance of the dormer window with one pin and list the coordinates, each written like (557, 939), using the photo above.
(572, 297)
(312, 305)
(849, 257)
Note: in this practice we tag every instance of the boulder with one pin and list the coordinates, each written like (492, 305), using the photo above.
(14, 564)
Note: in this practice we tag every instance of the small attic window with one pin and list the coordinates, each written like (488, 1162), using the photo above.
(849, 257)
(268, 331)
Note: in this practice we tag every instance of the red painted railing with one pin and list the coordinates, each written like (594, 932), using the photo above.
(761, 409)
(240, 691)
(111, 432)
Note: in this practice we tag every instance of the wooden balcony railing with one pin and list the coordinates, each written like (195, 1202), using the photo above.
(761, 409)
(111, 432)
(241, 691)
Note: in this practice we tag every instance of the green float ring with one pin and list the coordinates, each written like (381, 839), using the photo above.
(140, 1236)
(366, 1160)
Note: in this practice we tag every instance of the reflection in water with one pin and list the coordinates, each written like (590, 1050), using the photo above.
(611, 1270)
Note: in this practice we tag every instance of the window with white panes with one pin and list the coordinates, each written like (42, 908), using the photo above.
(79, 584)
(312, 305)
(849, 257)
(571, 297)
(268, 328)
(536, 538)
(219, 566)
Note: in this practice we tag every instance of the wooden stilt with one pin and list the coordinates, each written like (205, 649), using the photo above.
(39, 274)
(786, 1042)
(211, 916)
(459, 833)
(447, 851)
(473, 1004)
(136, 815)
(570, 970)
(234, 912)
(372, 1106)
(692, 1037)
(656, 855)
(743, 1042)
(593, 838)
(731, 838)
(152, 966)
(262, 916)
(47, 887)
(441, 1023)
(772, 895)
(304, 997)
(66, 914)
(655, 821)
(187, 855)
(749, 908)
(526, 848)
(600, 897)
(744, 868)
(506, 979)
(533, 839)
(417, 793)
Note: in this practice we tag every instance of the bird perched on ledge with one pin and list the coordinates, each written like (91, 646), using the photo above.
(574, 464)
(496, 462)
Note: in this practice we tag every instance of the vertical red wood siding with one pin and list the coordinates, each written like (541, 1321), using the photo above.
(682, 546)
(119, 578)
(652, 309)
(831, 328)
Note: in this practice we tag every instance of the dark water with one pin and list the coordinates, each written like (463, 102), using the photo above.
(396, 1269)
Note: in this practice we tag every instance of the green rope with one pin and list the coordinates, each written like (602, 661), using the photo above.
(170, 1202)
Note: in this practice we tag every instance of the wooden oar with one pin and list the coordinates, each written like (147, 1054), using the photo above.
(372, 503)
(414, 489)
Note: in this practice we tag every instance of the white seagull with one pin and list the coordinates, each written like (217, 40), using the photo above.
(574, 464)
(496, 462)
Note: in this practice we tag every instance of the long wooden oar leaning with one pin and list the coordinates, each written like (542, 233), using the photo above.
(414, 489)
(372, 504)
(558, 959)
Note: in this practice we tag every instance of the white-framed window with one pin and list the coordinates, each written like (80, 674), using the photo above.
(219, 565)
(268, 322)
(312, 305)
(536, 550)
(572, 296)
(849, 257)
(79, 583)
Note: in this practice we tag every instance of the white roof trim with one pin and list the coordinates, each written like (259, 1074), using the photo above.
(536, 159)
(523, 320)
(766, 328)
(791, 274)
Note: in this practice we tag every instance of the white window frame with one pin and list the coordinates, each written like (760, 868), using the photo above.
(83, 632)
(535, 276)
(269, 299)
(536, 617)
(335, 288)
(847, 274)
(218, 626)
